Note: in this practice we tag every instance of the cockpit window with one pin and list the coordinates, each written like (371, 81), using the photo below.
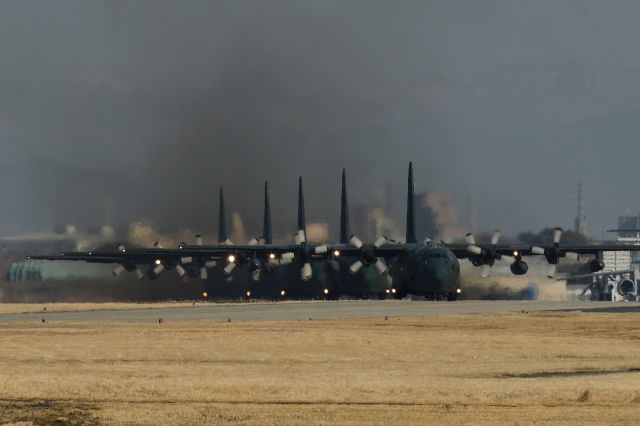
(436, 256)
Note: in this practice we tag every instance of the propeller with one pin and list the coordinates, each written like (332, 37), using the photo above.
(367, 256)
(331, 261)
(198, 267)
(303, 253)
(553, 253)
(486, 256)
(128, 266)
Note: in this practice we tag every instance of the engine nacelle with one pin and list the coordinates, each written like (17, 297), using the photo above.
(626, 286)
(596, 265)
(130, 266)
(519, 267)
(476, 261)
(254, 264)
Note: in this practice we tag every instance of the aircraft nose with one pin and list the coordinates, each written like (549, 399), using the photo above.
(443, 277)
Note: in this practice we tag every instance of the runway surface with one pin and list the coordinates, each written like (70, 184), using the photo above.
(314, 310)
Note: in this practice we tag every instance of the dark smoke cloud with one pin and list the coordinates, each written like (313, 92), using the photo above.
(158, 103)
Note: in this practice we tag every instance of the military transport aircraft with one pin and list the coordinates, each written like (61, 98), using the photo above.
(428, 268)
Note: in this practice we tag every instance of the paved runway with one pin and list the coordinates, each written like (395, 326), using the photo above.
(315, 310)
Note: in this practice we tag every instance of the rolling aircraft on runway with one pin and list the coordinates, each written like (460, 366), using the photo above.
(428, 268)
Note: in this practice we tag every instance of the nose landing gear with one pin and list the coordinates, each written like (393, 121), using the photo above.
(453, 295)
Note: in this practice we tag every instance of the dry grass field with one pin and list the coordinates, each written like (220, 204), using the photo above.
(543, 368)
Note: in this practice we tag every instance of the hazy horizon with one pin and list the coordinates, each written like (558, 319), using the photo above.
(158, 103)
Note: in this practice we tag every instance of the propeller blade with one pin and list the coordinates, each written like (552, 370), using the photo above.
(551, 271)
(286, 258)
(118, 270)
(355, 267)
(253, 241)
(557, 234)
(495, 237)
(186, 260)
(470, 239)
(571, 255)
(199, 241)
(537, 250)
(356, 242)
(255, 275)
(210, 264)
(229, 268)
(139, 273)
(180, 270)
(306, 272)
(508, 259)
(474, 249)
(380, 242)
(486, 269)
(321, 249)
(381, 266)
(203, 273)
(159, 268)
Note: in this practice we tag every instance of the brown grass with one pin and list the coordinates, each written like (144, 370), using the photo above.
(546, 368)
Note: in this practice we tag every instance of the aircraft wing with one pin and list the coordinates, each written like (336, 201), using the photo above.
(461, 251)
(134, 256)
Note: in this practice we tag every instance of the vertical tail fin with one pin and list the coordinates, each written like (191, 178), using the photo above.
(344, 211)
(411, 209)
(222, 223)
(266, 223)
(302, 225)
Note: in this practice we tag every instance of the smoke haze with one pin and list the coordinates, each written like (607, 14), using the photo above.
(154, 104)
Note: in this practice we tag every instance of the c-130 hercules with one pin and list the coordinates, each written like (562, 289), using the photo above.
(428, 268)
